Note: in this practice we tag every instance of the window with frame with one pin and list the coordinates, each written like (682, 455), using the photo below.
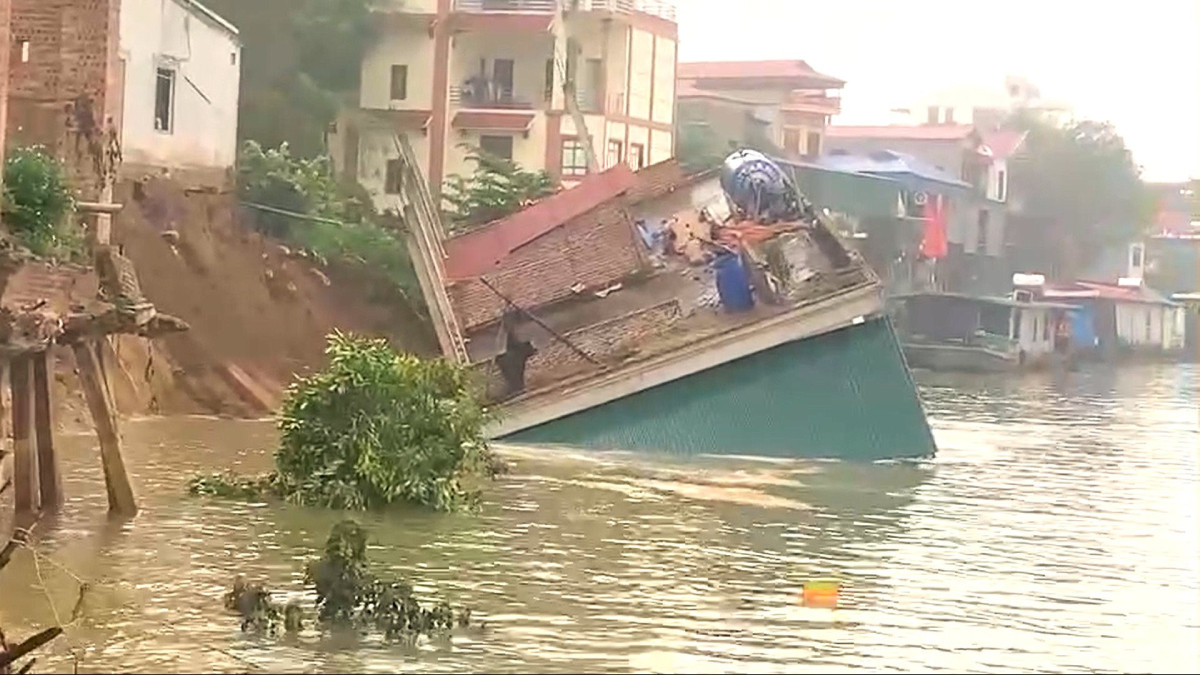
(164, 100)
(636, 156)
(393, 181)
(791, 140)
(399, 83)
(981, 232)
(574, 158)
(497, 146)
(812, 145)
(616, 151)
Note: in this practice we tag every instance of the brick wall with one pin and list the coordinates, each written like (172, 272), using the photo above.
(5, 17)
(605, 341)
(66, 96)
(595, 249)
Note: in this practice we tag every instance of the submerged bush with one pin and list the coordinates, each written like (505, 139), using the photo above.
(348, 594)
(375, 428)
(342, 222)
(38, 203)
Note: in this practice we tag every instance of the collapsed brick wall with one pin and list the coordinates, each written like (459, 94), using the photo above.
(65, 85)
(605, 342)
(595, 249)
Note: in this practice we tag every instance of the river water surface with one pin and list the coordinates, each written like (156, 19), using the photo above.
(1056, 531)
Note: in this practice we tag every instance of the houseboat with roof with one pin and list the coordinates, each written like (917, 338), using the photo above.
(958, 332)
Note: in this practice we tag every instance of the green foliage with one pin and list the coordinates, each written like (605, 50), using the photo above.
(348, 594)
(377, 427)
(699, 148)
(346, 228)
(301, 61)
(1081, 190)
(38, 203)
(497, 188)
(232, 486)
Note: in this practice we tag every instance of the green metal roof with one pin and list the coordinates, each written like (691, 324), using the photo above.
(855, 194)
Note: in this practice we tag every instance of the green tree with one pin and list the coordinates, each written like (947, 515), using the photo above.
(1079, 190)
(342, 225)
(374, 428)
(38, 203)
(301, 63)
(497, 188)
(699, 148)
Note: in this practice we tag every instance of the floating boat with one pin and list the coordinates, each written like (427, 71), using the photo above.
(713, 314)
(957, 332)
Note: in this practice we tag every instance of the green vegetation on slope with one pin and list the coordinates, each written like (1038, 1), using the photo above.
(38, 204)
(375, 428)
(342, 223)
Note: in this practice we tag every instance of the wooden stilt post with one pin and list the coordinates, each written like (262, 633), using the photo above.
(49, 475)
(3, 404)
(24, 460)
(120, 492)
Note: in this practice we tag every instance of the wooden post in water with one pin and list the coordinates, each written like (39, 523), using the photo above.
(49, 475)
(116, 480)
(24, 461)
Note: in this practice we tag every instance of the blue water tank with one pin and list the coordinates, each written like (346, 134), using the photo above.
(733, 283)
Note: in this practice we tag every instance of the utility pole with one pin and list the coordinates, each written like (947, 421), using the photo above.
(566, 59)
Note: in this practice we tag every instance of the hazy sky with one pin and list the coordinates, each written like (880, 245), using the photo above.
(1134, 63)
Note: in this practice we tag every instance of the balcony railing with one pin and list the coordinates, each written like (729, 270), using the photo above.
(660, 8)
(462, 97)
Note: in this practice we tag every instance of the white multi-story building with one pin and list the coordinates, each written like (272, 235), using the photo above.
(984, 107)
(454, 75)
(179, 70)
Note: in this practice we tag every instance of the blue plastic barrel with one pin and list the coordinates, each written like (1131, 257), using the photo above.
(733, 284)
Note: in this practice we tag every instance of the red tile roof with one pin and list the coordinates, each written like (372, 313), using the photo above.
(475, 253)
(754, 70)
(929, 132)
(502, 22)
(1004, 143)
(1103, 291)
(498, 121)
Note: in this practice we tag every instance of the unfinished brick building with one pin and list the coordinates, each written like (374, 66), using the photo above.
(64, 85)
(5, 16)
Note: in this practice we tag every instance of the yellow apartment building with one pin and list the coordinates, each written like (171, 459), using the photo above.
(458, 74)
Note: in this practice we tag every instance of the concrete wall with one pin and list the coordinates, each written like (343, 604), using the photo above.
(663, 102)
(377, 145)
(207, 61)
(1150, 327)
(1035, 338)
(407, 46)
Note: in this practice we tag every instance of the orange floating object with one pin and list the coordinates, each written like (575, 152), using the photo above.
(821, 593)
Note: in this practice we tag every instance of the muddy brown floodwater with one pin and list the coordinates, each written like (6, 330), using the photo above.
(1056, 531)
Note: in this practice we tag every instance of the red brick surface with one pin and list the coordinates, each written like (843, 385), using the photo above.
(5, 17)
(594, 249)
(69, 89)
